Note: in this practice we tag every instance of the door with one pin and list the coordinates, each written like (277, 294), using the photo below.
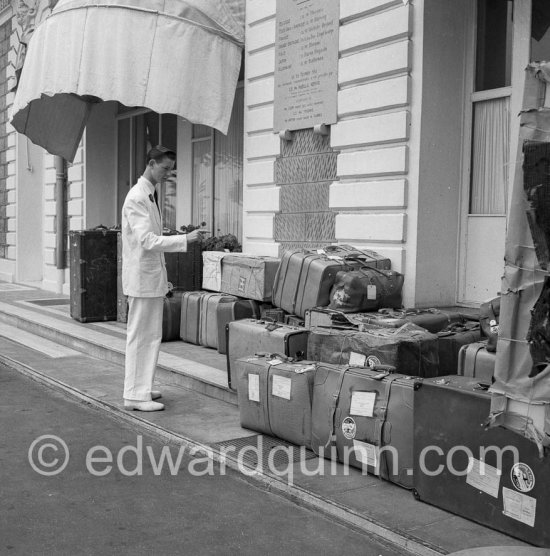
(487, 151)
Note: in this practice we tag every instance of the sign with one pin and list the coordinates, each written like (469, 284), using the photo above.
(306, 63)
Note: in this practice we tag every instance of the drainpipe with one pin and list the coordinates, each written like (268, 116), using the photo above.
(60, 186)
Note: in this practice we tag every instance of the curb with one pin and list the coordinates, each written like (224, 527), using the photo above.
(271, 483)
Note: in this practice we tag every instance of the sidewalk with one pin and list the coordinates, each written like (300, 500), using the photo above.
(85, 361)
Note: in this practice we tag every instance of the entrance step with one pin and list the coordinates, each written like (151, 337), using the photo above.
(205, 373)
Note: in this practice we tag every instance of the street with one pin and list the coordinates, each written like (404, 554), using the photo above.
(117, 495)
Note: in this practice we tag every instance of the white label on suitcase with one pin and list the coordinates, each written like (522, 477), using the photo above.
(254, 387)
(362, 403)
(367, 454)
(281, 387)
(371, 291)
(357, 359)
(519, 506)
(483, 477)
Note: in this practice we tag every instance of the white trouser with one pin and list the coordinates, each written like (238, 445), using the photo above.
(143, 337)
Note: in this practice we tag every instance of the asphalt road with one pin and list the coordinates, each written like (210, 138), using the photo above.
(114, 494)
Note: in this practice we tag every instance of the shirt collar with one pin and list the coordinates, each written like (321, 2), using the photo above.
(148, 184)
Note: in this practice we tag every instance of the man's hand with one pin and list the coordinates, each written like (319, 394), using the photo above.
(197, 235)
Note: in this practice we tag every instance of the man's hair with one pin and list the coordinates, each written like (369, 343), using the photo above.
(159, 153)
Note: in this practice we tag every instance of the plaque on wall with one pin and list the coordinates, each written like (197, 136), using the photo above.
(306, 63)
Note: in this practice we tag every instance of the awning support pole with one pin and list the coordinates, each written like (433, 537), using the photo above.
(60, 165)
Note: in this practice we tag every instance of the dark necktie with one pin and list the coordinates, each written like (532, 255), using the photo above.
(157, 199)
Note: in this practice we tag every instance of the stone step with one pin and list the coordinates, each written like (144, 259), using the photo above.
(106, 341)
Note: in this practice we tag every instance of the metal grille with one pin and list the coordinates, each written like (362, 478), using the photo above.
(264, 451)
(289, 227)
(321, 226)
(304, 141)
(322, 167)
(291, 169)
(305, 197)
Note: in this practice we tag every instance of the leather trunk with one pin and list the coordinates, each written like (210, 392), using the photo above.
(366, 417)
(246, 337)
(493, 476)
(411, 349)
(305, 277)
(93, 270)
(184, 268)
(275, 397)
(171, 316)
(234, 310)
(450, 342)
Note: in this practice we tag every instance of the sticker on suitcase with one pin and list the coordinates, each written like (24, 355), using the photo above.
(519, 506)
(254, 387)
(367, 454)
(362, 404)
(522, 477)
(281, 387)
(349, 428)
(485, 478)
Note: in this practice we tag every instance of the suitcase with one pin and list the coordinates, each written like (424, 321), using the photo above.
(433, 320)
(451, 340)
(305, 277)
(329, 318)
(249, 276)
(366, 417)
(275, 396)
(410, 349)
(246, 337)
(494, 476)
(191, 307)
(93, 271)
(212, 270)
(210, 303)
(234, 310)
(475, 361)
(294, 320)
(122, 300)
(171, 316)
(184, 268)
(366, 289)
(274, 314)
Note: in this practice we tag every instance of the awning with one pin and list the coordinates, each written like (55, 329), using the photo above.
(171, 56)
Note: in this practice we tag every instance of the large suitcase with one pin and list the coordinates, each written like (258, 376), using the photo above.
(249, 276)
(184, 268)
(211, 302)
(246, 337)
(171, 316)
(412, 350)
(122, 300)
(275, 396)
(492, 476)
(191, 307)
(475, 361)
(366, 417)
(93, 270)
(305, 277)
(212, 270)
(489, 313)
(234, 310)
(450, 342)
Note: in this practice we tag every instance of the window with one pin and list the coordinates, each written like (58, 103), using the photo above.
(138, 131)
(217, 174)
(491, 108)
(540, 31)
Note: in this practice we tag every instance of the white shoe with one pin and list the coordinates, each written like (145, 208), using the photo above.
(143, 406)
(156, 394)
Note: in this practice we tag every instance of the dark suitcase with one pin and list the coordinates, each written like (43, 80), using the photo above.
(366, 289)
(249, 276)
(451, 340)
(191, 307)
(410, 349)
(433, 320)
(211, 302)
(122, 300)
(367, 415)
(305, 277)
(475, 361)
(246, 337)
(274, 314)
(234, 310)
(184, 268)
(171, 316)
(492, 476)
(275, 396)
(93, 271)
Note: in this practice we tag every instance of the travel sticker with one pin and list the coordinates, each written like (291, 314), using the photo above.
(349, 428)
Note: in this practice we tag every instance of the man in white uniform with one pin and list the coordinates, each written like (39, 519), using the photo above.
(144, 279)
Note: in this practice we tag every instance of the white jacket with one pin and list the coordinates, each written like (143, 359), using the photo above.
(143, 266)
